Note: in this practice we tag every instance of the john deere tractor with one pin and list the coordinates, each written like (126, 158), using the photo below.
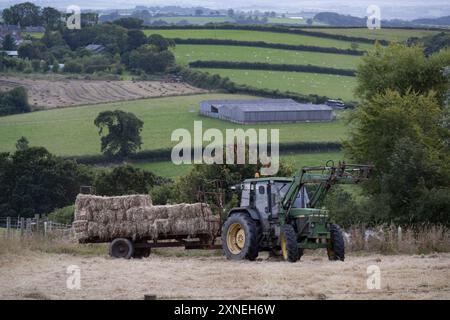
(277, 214)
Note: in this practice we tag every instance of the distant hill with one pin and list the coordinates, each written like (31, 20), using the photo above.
(340, 20)
(336, 19)
(442, 21)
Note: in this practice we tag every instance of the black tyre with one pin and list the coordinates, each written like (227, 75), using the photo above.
(240, 237)
(141, 253)
(121, 248)
(288, 243)
(336, 249)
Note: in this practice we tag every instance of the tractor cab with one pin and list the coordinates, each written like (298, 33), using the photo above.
(265, 195)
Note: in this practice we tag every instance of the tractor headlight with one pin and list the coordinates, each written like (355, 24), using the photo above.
(312, 225)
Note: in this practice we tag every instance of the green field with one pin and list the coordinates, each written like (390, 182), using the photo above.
(397, 35)
(188, 53)
(170, 170)
(194, 19)
(71, 131)
(249, 35)
(332, 86)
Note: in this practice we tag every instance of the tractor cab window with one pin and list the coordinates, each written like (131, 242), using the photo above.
(302, 199)
(280, 188)
(245, 198)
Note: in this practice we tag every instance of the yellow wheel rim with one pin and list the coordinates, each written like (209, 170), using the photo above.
(235, 238)
(283, 246)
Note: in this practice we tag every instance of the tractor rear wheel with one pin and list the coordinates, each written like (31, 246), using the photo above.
(288, 243)
(121, 248)
(336, 249)
(240, 237)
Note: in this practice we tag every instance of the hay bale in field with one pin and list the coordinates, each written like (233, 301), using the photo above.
(135, 217)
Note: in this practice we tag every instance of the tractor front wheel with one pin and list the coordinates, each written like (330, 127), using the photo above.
(240, 237)
(336, 249)
(288, 243)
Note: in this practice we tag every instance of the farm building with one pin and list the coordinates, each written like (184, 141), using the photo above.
(265, 111)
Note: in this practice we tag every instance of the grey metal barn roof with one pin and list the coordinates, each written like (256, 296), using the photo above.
(261, 105)
(265, 111)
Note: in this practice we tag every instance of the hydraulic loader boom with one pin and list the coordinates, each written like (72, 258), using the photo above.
(325, 176)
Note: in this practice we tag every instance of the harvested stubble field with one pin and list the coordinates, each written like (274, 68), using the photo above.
(32, 275)
(47, 94)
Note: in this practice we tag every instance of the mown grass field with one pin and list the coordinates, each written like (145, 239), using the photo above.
(188, 53)
(332, 86)
(250, 35)
(71, 131)
(170, 170)
(397, 35)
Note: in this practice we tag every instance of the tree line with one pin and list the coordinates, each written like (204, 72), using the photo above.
(273, 28)
(262, 44)
(270, 66)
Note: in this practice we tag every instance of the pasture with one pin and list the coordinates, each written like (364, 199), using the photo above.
(188, 53)
(390, 34)
(250, 35)
(332, 86)
(71, 131)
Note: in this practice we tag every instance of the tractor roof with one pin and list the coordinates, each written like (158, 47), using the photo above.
(276, 179)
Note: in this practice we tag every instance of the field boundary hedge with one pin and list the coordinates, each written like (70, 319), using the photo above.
(262, 44)
(272, 28)
(270, 66)
(158, 155)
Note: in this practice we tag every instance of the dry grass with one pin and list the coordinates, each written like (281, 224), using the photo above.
(43, 276)
(48, 94)
(35, 268)
(55, 245)
(407, 240)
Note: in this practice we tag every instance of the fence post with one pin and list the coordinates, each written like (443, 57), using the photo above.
(36, 217)
(22, 226)
(399, 234)
(8, 227)
(45, 228)
(28, 226)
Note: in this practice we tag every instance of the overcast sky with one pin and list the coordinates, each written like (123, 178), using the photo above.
(406, 9)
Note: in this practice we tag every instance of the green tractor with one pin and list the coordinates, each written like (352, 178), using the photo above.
(277, 214)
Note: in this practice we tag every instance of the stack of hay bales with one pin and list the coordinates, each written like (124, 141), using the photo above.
(134, 216)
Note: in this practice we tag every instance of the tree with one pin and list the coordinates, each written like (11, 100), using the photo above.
(161, 43)
(230, 12)
(136, 38)
(400, 127)
(14, 101)
(150, 59)
(23, 14)
(129, 22)
(33, 181)
(30, 51)
(51, 18)
(198, 12)
(22, 143)
(354, 45)
(124, 129)
(123, 180)
(9, 43)
(402, 69)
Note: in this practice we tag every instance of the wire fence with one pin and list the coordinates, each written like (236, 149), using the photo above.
(25, 227)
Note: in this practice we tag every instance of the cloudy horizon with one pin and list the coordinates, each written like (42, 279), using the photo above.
(406, 9)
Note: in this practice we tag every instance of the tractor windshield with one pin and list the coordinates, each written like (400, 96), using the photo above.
(302, 197)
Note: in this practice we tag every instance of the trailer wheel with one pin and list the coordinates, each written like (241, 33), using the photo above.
(336, 249)
(288, 243)
(121, 248)
(240, 237)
